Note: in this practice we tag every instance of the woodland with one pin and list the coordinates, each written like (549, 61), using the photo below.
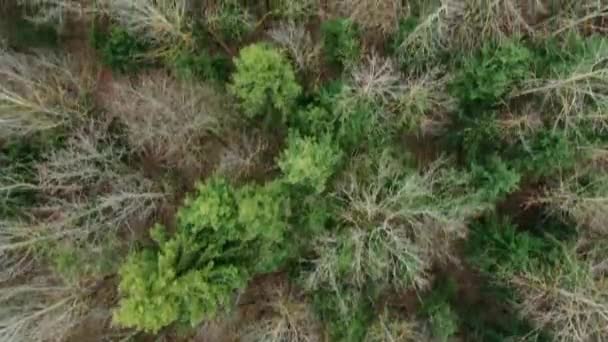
(304, 170)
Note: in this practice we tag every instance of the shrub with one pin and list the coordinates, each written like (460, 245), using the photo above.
(546, 153)
(486, 78)
(495, 178)
(444, 322)
(229, 19)
(121, 51)
(309, 163)
(341, 42)
(202, 66)
(264, 81)
(346, 314)
(496, 247)
(223, 236)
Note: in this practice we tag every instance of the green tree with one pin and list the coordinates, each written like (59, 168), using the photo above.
(264, 81)
(223, 237)
(310, 162)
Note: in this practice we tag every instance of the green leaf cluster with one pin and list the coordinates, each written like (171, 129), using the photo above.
(223, 237)
(483, 80)
(309, 161)
(119, 50)
(341, 41)
(264, 81)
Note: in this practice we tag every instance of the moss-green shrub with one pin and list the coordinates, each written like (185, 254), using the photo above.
(309, 162)
(202, 66)
(486, 78)
(264, 81)
(346, 315)
(119, 50)
(341, 41)
(544, 154)
(496, 247)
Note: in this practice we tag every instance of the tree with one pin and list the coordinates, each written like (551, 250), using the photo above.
(264, 81)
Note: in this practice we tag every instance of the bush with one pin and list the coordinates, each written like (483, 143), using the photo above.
(485, 79)
(546, 153)
(223, 237)
(346, 314)
(496, 247)
(308, 162)
(341, 42)
(495, 178)
(444, 322)
(202, 66)
(120, 50)
(264, 81)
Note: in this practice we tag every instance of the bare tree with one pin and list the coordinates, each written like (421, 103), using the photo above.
(39, 92)
(298, 42)
(287, 319)
(571, 301)
(162, 22)
(169, 119)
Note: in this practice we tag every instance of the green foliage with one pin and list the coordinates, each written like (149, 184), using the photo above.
(346, 315)
(497, 247)
(495, 178)
(223, 237)
(436, 307)
(341, 41)
(119, 49)
(486, 78)
(546, 153)
(21, 33)
(309, 162)
(475, 134)
(202, 66)
(186, 281)
(264, 81)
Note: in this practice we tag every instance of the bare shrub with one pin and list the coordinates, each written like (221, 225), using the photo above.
(41, 310)
(286, 319)
(39, 92)
(377, 79)
(578, 91)
(397, 222)
(388, 329)
(571, 301)
(585, 202)
(243, 155)
(164, 23)
(169, 119)
(56, 11)
(472, 22)
(298, 42)
(382, 15)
